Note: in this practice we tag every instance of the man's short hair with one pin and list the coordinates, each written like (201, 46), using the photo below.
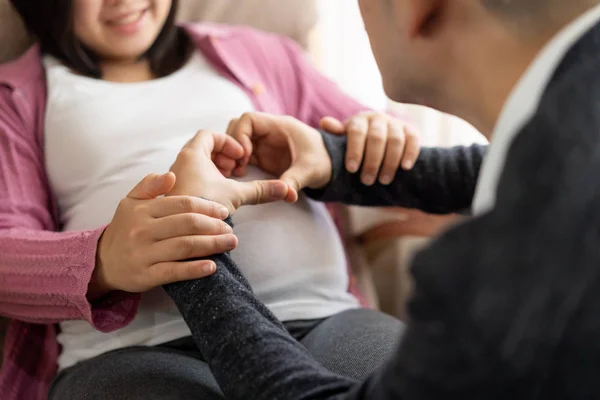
(534, 7)
(537, 15)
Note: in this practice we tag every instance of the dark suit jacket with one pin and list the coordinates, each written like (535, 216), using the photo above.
(506, 305)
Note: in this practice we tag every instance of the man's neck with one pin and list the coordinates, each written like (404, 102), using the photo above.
(496, 76)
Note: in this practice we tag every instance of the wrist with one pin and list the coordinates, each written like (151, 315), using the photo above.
(98, 286)
(323, 179)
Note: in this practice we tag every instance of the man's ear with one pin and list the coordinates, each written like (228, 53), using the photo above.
(422, 17)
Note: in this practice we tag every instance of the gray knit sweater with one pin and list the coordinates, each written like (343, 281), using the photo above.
(506, 305)
(249, 351)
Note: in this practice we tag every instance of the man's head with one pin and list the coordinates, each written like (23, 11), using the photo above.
(461, 56)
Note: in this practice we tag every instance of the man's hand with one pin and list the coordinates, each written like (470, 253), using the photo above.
(197, 175)
(281, 146)
(378, 142)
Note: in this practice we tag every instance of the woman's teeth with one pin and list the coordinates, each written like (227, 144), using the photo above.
(133, 17)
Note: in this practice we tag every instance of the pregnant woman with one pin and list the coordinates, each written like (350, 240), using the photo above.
(110, 95)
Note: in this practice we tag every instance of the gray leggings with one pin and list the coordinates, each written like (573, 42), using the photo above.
(353, 343)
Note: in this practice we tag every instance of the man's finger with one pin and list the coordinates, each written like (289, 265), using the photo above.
(224, 163)
(200, 140)
(333, 125)
(223, 144)
(261, 192)
(215, 142)
(240, 171)
(296, 177)
(152, 186)
(242, 130)
(242, 136)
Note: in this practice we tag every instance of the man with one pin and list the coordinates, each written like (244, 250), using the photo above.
(507, 304)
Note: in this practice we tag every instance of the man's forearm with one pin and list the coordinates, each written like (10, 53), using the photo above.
(247, 348)
(442, 181)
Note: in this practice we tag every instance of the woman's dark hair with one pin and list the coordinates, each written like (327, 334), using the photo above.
(50, 22)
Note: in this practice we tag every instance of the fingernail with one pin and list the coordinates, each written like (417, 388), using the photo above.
(209, 268)
(279, 191)
(224, 213)
(369, 180)
(227, 229)
(407, 164)
(352, 166)
(231, 242)
(385, 180)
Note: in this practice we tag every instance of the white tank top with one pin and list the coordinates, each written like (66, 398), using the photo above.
(101, 138)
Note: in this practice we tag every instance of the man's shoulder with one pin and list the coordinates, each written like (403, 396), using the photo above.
(575, 85)
(569, 110)
(555, 158)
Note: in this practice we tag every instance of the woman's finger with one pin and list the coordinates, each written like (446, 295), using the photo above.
(375, 149)
(190, 224)
(412, 149)
(173, 205)
(333, 125)
(188, 247)
(357, 130)
(393, 153)
(171, 272)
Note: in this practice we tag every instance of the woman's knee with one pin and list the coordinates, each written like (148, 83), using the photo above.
(141, 373)
(355, 343)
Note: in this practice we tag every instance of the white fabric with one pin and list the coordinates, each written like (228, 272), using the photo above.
(101, 138)
(522, 105)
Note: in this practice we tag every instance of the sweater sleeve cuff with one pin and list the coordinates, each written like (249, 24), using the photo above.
(114, 311)
(336, 148)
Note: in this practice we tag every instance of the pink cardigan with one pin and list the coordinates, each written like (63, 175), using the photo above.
(44, 273)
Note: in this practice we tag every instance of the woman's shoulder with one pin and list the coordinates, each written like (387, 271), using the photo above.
(241, 33)
(22, 93)
(23, 71)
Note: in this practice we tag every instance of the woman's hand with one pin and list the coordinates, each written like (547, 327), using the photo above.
(378, 142)
(197, 174)
(149, 239)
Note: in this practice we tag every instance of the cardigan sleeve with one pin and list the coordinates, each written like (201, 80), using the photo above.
(317, 96)
(44, 274)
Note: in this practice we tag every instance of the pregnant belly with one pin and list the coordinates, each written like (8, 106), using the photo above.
(288, 250)
(292, 256)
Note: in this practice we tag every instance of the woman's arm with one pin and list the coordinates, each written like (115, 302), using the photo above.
(442, 181)
(315, 95)
(44, 275)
